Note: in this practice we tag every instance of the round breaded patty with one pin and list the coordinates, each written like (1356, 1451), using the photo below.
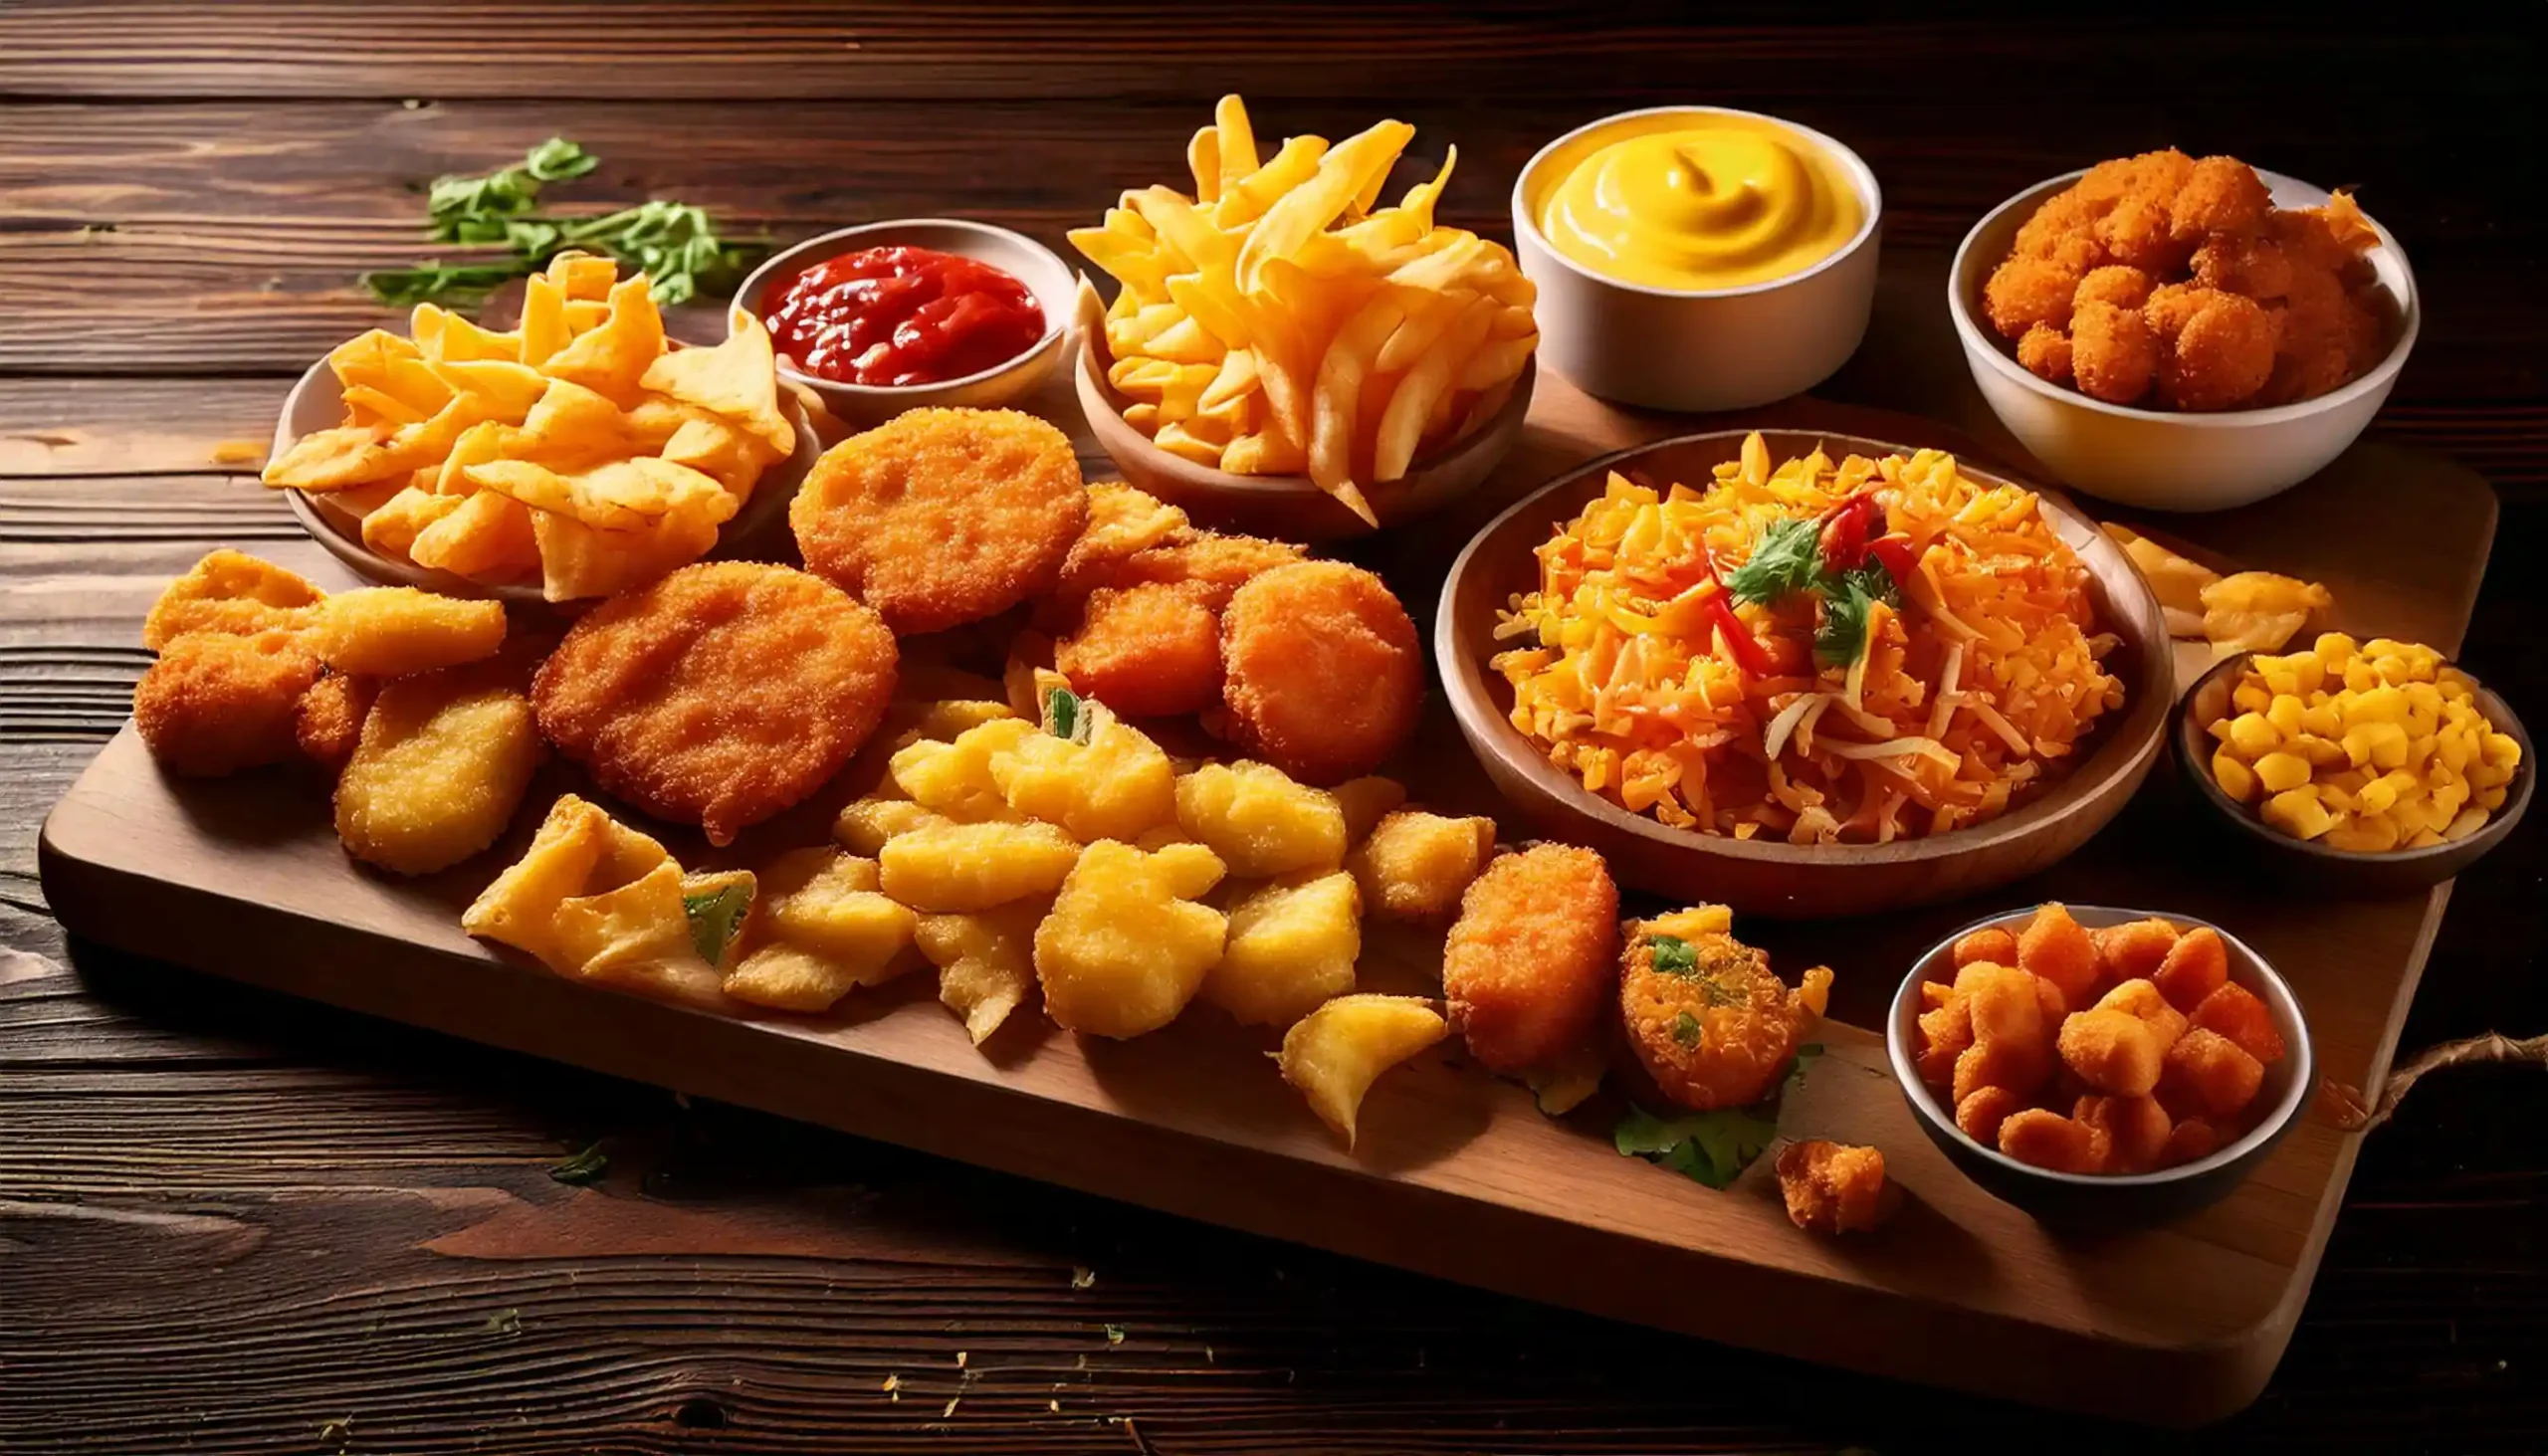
(1713, 1025)
(1528, 961)
(214, 704)
(719, 695)
(1321, 672)
(942, 516)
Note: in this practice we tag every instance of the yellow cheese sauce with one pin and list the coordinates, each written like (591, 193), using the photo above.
(1697, 201)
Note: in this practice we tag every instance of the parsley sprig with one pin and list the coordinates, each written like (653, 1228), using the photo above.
(1710, 1147)
(674, 244)
(1787, 559)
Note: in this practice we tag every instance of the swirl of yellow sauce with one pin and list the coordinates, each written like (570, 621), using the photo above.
(1701, 201)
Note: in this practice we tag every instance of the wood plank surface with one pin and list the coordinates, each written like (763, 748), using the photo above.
(232, 1221)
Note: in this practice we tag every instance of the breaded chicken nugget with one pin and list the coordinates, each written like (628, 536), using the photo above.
(2219, 194)
(1528, 961)
(2112, 353)
(2242, 262)
(1122, 521)
(1833, 1187)
(326, 723)
(214, 703)
(392, 631)
(2224, 354)
(2125, 287)
(942, 516)
(2045, 352)
(442, 765)
(2025, 292)
(1146, 651)
(233, 592)
(1714, 1026)
(1321, 672)
(1217, 566)
(720, 694)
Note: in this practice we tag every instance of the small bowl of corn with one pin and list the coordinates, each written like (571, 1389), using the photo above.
(2373, 767)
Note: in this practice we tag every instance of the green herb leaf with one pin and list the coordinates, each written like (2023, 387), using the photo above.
(1675, 955)
(1114, 1334)
(1786, 559)
(1062, 714)
(1686, 1030)
(583, 1168)
(717, 917)
(1710, 1147)
(459, 283)
(557, 159)
(1847, 600)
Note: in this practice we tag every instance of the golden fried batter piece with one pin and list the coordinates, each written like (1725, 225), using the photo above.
(443, 764)
(2112, 353)
(720, 694)
(393, 631)
(2125, 287)
(2222, 356)
(233, 592)
(1216, 565)
(327, 723)
(1714, 1026)
(2219, 194)
(2025, 291)
(1833, 1187)
(1323, 675)
(2242, 262)
(215, 702)
(1528, 961)
(2044, 352)
(942, 516)
(1146, 651)
(1122, 521)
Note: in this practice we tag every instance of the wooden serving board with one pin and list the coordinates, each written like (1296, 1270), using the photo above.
(1457, 1174)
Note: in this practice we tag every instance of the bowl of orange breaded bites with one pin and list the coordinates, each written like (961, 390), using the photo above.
(2183, 333)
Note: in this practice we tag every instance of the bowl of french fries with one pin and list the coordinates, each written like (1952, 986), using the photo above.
(1286, 355)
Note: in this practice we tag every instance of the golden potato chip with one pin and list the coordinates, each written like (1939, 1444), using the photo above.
(332, 459)
(543, 321)
(577, 560)
(2175, 580)
(612, 358)
(720, 451)
(737, 380)
(570, 427)
(2258, 611)
(446, 337)
(505, 390)
(476, 445)
(487, 538)
(617, 494)
(582, 276)
(597, 901)
(391, 528)
(233, 593)
(583, 316)
(366, 405)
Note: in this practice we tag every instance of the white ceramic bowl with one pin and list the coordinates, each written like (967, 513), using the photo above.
(1019, 256)
(317, 402)
(1697, 349)
(2163, 458)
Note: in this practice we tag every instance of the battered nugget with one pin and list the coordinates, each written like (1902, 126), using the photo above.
(720, 694)
(326, 723)
(1833, 1187)
(443, 764)
(942, 516)
(1121, 522)
(214, 704)
(1528, 961)
(1321, 672)
(1713, 1024)
(1216, 565)
(1146, 651)
(232, 592)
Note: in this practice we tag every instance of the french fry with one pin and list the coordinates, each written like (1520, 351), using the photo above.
(1427, 384)
(1237, 149)
(1203, 160)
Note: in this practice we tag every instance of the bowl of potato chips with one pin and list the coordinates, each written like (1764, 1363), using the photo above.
(576, 455)
(1288, 355)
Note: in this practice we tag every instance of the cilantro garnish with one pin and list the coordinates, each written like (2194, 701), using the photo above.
(1786, 559)
(716, 918)
(1686, 1030)
(1847, 600)
(1710, 1147)
(584, 1167)
(1675, 955)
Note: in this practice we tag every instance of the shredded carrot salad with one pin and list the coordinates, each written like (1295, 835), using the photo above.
(1913, 669)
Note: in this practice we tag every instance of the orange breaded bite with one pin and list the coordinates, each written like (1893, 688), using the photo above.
(2242, 262)
(1121, 522)
(2222, 356)
(1993, 943)
(2021, 1066)
(2058, 947)
(942, 516)
(2190, 1140)
(2238, 1013)
(1832, 1187)
(2112, 1050)
(2136, 1129)
(2141, 1000)
(2219, 194)
(327, 723)
(1530, 958)
(396, 631)
(1216, 564)
(232, 592)
(1713, 1025)
(1323, 675)
(2045, 352)
(720, 694)
(1945, 1032)
(2117, 284)
(2113, 354)
(1146, 651)
(2025, 292)
(215, 702)
(2048, 1140)
(2134, 950)
(2210, 1075)
(2194, 967)
(1980, 1113)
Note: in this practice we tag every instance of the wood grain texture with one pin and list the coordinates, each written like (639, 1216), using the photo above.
(150, 1333)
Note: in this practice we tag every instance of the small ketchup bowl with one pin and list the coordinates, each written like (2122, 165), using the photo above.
(1020, 256)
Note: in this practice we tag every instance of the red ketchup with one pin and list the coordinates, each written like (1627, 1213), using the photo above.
(901, 315)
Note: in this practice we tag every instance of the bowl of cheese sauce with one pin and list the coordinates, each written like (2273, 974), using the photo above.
(1697, 258)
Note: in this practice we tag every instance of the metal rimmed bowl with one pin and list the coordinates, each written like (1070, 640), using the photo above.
(2308, 865)
(317, 402)
(1772, 877)
(1015, 254)
(2110, 1200)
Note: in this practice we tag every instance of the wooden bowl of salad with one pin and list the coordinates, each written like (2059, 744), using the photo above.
(1836, 670)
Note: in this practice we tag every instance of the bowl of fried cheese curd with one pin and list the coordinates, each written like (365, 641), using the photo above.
(2100, 1068)
(2183, 335)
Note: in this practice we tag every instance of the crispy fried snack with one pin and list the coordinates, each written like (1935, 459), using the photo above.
(1151, 649)
(942, 516)
(1833, 1187)
(1714, 1026)
(392, 631)
(215, 702)
(1321, 670)
(719, 695)
(1121, 522)
(1216, 565)
(327, 723)
(1528, 961)
(232, 592)
(442, 765)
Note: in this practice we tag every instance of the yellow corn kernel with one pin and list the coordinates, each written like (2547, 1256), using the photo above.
(2376, 744)
(2322, 719)
(2298, 813)
(2252, 736)
(2376, 705)
(2279, 771)
(2236, 778)
(2361, 676)
(2464, 823)
(2377, 834)
(2321, 752)
(2250, 696)
(2334, 650)
(2284, 713)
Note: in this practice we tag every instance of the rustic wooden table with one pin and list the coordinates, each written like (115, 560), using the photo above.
(231, 1222)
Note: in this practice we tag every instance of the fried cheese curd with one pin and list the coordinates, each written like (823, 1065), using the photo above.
(1323, 675)
(718, 694)
(2118, 1050)
(2169, 282)
(1833, 1187)
(1528, 961)
(942, 516)
(1712, 1024)
(216, 703)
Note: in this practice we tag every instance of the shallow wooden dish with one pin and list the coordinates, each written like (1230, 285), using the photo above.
(1290, 508)
(318, 403)
(1775, 878)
